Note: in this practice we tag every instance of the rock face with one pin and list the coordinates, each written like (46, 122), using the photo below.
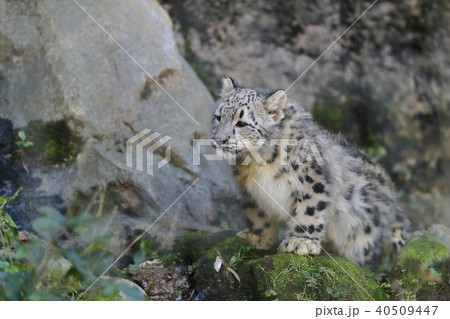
(80, 97)
(383, 84)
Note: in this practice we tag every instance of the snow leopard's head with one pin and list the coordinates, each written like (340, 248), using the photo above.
(245, 115)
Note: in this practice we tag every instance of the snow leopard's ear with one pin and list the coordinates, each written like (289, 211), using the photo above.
(275, 104)
(227, 85)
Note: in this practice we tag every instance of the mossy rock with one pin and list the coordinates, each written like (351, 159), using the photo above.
(53, 142)
(293, 277)
(229, 268)
(422, 270)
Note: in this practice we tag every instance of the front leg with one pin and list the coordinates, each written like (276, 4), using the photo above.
(305, 226)
(261, 232)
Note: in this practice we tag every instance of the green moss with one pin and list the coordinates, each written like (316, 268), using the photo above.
(227, 249)
(171, 260)
(51, 282)
(292, 277)
(54, 142)
(15, 267)
(99, 295)
(422, 270)
(193, 246)
(351, 116)
(328, 116)
(199, 247)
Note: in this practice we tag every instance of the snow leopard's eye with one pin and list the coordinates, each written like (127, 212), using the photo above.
(241, 124)
(218, 118)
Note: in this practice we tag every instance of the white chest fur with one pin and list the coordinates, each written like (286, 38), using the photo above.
(272, 194)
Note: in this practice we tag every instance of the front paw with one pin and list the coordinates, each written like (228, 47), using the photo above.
(300, 246)
(258, 241)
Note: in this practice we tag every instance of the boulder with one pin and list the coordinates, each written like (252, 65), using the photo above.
(79, 97)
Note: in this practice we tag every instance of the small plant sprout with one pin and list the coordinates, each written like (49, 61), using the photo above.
(22, 142)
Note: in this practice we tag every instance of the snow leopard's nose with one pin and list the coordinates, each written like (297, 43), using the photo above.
(220, 138)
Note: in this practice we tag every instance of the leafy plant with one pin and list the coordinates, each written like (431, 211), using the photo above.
(45, 268)
(22, 142)
(8, 229)
(234, 261)
(224, 225)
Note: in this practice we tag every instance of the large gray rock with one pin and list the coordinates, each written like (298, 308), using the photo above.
(56, 64)
(384, 84)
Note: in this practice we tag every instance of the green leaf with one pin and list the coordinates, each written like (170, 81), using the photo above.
(47, 228)
(6, 200)
(50, 226)
(52, 213)
(82, 222)
(108, 285)
(131, 291)
(28, 144)
(22, 135)
(10, 223)
(33, 251)
(234, 274)
(139, 256)
(224, 225)
(99, 242)
(4, 265)
(81, 265)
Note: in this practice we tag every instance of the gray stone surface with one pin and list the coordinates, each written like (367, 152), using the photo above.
(57, 64)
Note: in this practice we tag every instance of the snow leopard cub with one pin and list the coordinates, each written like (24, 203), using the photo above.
(324, 190)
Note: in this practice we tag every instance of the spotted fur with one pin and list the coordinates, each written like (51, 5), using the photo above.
(324, 191)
